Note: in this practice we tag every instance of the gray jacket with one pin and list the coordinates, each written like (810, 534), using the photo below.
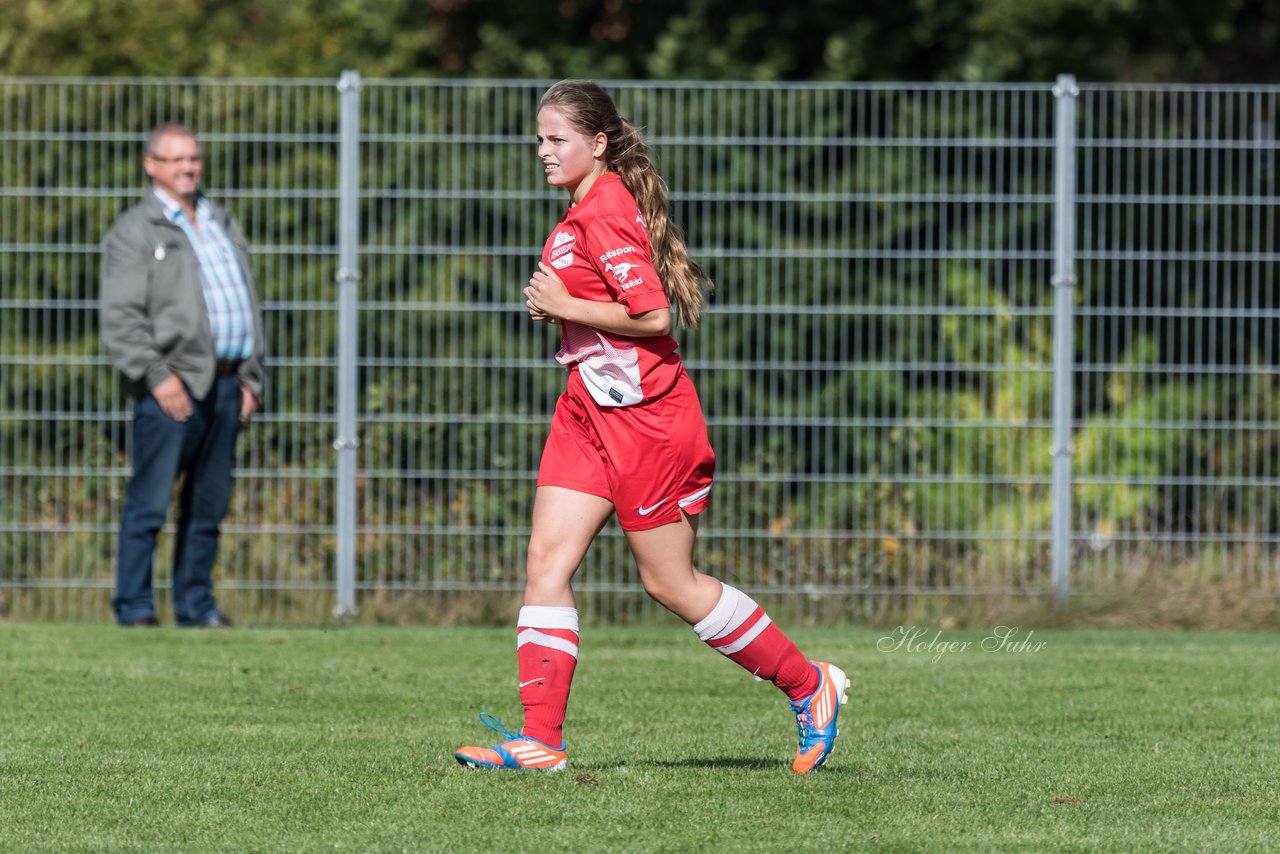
(152, 310)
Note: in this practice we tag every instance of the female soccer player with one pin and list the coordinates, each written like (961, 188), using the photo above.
(627, 437)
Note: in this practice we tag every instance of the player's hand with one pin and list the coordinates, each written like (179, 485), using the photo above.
(172, 397)
(248, 403)
(546, 296)
(545, 318)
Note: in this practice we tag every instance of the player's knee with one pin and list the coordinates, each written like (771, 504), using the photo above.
(660, 589)
(541, 559)
(545, 576)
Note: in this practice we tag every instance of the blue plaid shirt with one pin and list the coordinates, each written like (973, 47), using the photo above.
(226, 294)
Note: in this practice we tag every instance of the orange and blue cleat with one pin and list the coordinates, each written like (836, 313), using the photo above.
(518, 752)
(816, 718)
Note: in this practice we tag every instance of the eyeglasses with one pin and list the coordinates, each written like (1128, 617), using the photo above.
(195, 158)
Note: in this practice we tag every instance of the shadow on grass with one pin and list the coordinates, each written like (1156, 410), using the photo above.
(718, 762)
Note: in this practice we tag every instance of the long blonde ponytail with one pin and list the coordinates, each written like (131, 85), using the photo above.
(590, 110)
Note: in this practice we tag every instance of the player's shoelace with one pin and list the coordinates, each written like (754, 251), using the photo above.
(497, 726)
(802, 723)
(804, 716)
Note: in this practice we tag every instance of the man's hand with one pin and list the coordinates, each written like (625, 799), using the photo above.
(172, 397)
(248, 403)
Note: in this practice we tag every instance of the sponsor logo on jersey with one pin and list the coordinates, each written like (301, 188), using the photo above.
(619, 271)
(614, 253)
(562, 250)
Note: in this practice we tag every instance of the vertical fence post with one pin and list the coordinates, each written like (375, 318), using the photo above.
(347, 442)
(1064, 281)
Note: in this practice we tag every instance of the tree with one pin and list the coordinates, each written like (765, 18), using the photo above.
(996, 40)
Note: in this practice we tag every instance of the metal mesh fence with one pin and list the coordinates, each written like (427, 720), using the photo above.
(877, 364)
(70, 162)
(1176, 448)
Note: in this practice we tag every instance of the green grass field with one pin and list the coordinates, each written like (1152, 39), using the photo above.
(310, 739)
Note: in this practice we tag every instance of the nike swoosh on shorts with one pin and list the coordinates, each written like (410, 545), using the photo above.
(645, 511)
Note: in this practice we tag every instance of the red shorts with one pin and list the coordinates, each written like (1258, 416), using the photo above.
(652, 460)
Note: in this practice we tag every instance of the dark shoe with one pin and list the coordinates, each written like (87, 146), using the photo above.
(217, 621)
(148, 621)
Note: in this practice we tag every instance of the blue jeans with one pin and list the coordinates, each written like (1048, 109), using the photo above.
(202, 451)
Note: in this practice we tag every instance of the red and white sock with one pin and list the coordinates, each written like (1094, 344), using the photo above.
(739, 629)
(547, 652)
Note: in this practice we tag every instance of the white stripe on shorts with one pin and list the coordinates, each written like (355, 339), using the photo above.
(695, 497)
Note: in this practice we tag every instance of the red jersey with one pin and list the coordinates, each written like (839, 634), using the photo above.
(600, 249)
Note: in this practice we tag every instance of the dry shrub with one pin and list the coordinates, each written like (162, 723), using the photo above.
(439, 608)
(1150, 602)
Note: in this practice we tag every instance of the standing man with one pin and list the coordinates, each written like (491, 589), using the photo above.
(182, 322)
